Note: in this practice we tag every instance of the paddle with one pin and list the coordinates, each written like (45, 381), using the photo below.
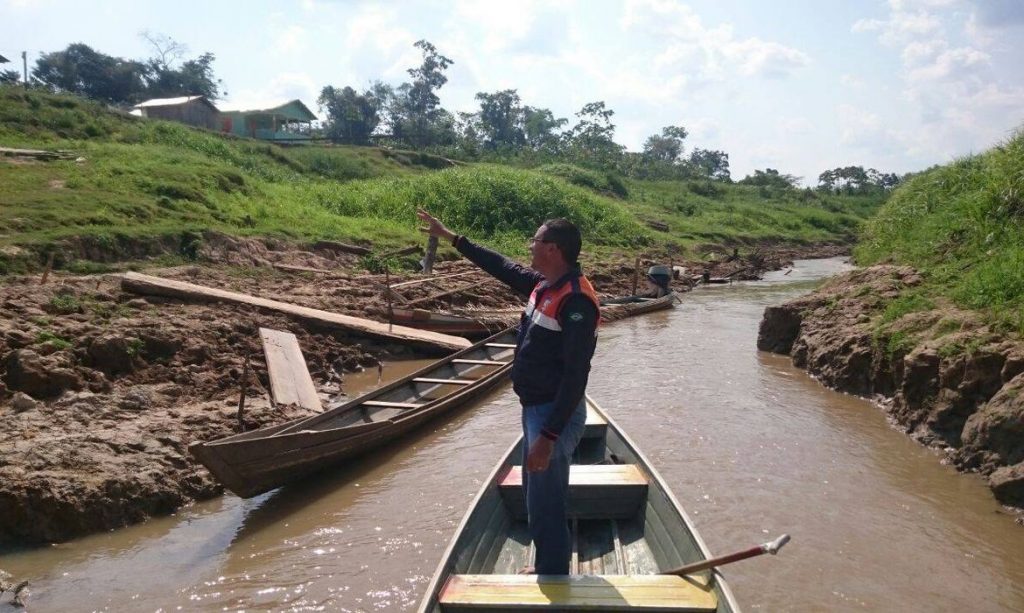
(770, 547)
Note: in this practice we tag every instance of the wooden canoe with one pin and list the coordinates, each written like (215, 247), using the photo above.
(254, 462)
(471, 324)
(621, 308)
(475, 324)
(626, 528)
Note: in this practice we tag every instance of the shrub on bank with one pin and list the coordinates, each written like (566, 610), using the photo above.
(487, 202)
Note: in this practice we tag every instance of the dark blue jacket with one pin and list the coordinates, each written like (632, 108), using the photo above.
(549, 365)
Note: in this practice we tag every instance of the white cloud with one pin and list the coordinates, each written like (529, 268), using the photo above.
(952, 64)
(858, 127)
(282, 88)
(291, 40)
(851, 81)
(901, 26)
(998, 13)
(707, 53)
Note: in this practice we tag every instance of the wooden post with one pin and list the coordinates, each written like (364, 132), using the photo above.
(636, 275)
(387, 294)
(49, 267)
(241, 397)
(428, 259)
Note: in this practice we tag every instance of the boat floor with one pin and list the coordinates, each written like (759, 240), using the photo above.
(599, 547)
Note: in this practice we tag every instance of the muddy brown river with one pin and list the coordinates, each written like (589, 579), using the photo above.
(751, 446)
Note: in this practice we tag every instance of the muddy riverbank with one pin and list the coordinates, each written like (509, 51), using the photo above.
(944, 375)
(102, 391)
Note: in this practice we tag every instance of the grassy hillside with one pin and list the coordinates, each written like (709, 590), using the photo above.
(138, 179)
(962, 226)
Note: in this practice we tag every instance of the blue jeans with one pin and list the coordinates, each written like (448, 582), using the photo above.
(547, 492)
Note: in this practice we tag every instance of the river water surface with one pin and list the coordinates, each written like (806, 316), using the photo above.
(751, 446)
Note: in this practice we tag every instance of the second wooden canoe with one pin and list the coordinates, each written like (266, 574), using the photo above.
(255, 462)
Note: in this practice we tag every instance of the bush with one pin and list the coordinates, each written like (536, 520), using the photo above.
(606, 183)
(486, 202)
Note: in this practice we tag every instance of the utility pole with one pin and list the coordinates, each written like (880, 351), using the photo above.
(24, 65)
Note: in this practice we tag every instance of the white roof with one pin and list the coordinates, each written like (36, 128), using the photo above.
(166, 101)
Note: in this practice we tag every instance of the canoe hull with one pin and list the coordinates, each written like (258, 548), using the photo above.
(621, 308)
(255, 462)
(657, 537)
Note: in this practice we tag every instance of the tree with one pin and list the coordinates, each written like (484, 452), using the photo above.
(195, 77)
(469, 130)
(415, 113)
(79, 69)
(590, 141)
(856, 180)
(668, 147)
(501, 120)
(10, 77)
(709, 164)
(541, 129)
(351, 117)
(770, 177)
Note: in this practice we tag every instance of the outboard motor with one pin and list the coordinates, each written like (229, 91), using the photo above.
(660, 276)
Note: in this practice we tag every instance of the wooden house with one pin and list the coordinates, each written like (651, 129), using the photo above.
(287, 122)
(193, 110)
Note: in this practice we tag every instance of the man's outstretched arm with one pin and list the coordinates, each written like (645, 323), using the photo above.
(518, 277)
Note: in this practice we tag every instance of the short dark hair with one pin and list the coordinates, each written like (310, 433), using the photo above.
(566, 236)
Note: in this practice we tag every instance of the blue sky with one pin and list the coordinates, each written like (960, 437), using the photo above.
(800, 86)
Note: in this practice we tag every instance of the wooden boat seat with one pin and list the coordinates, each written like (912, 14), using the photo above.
(443, 381)
(596, 425)
(501, 345)
(601, 491)
(391, 405)
(576, 593)
(479, 362)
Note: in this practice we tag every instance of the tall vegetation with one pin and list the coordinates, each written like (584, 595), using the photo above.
(962, 225)
(142, 180)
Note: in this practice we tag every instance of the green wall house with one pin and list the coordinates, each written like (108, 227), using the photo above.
(287, 122)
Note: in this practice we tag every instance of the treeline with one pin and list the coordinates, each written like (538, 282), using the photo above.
(80, 69)
(504, 128)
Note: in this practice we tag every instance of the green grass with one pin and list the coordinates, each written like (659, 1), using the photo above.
(962, 225)
(150, 189)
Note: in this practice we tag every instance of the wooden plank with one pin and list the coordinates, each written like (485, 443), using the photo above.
(391, 405)
(577, 593)
(602, 491)
(443, 381)
(147, 285)
(500, 345)
(290, 382)
(583, 475)
(479, 362)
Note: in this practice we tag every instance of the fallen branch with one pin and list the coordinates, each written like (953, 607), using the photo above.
(342, 247)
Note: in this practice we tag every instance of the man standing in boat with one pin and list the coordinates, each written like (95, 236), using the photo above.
(556, 340)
